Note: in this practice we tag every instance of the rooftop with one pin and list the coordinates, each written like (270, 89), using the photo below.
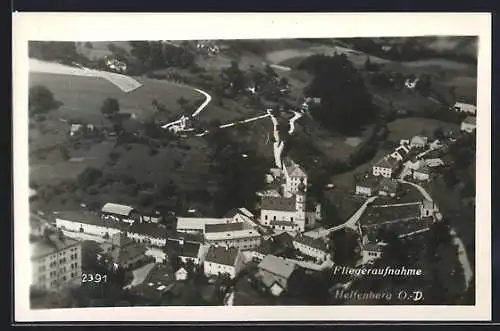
(387, 162)
(190, 249)
(149, 229)
(388, 184)
(419, 140)
(88, 217)
(277, 266)
(293, 169)
(367, 181)
(210, 228)
(50, 244)
(114, 208)
(373, 247)
(198, 223)
(278, 203)
(222, 255)
(314, 243)
(470, 120)
(236, 234)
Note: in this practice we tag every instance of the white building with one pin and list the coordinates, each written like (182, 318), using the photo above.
(56, 262)
(468, 124)
(222, 260)
(236, 235)
(242, 215)
(422, 173)
(366, 186)
(465, 108)
(282, 213)
(371, 252)
(88, 223)
(148, 233)
(401, 152)
(436, 162)
(418, 141)
(315, 248)
(197, 224)
(181, 274)
(295, 177)
(427, 208)
(117, 212)
(385, 167)
(278, 268)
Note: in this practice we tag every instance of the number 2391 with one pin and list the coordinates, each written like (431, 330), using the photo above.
(94, 278)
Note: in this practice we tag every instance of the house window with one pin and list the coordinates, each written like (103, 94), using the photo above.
(64, 278)
(274, 218)
(291, 219)
(265, 217)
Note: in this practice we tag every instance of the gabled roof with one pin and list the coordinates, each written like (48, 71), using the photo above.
(293, 169)
(423, 169)
(149, 229)
(114, 208)
(373, 247)
(387, 162)
(198, 223)
(314, 243)
(211, 228)
(277, 203)
(470, 120)
(388, 184)
(222, 255)
(419, 140)
(129, 251)
(50, 245)
(190, 250)
(277, 266)
(369, 182)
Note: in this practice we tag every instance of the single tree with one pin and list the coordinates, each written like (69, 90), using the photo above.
(110, 107)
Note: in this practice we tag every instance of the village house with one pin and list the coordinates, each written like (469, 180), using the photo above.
(371, 252)
(427, 208)
(158, 282)
(186, 250)
(238, 235)
(465, 108)
(148, 233)
(401, 152)
(85, 222)
(270, 283)
(241, 215)
(411, 83)
(385, 167)
(313, 214)
(181, 274)
(197, 224)
(315, 248)
(282, 213)
(295, 177)
(223, 260)
(366, 186)
(468, 124)
(418, 142)
(56, 261)
(37, 227)
(151, 216)
(422, 173)
(257, 254)
(435, 162)
(278, 268)
(118, 212)
(388, 187)
(123, 252)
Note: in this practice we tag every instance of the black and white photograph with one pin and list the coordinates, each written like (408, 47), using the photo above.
(255, 172)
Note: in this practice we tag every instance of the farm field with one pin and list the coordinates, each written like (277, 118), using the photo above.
(82, 97)
(406, 128)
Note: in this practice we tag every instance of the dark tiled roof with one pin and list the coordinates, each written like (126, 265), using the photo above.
(373, 247)
(224, 227)
(387, 184)
(470, 120)
(369, 181)
(121, 254)
(277, 266)
(314, 243)
(278, 203)
(284, 239)
(50, 244)
(190, 250)
(149, 229)
(91, 218)
(233, 212)
(387, 162)
(265, 247)
(282, 223)
(222, 255)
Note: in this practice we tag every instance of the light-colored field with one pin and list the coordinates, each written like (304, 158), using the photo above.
(82, 96)
(125, 83)
(284, 56)
(406, 128)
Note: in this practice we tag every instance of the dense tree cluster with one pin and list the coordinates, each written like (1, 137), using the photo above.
(41, 100)
(61, 51)
(151, 55)
(238, 177)
(346, 105)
